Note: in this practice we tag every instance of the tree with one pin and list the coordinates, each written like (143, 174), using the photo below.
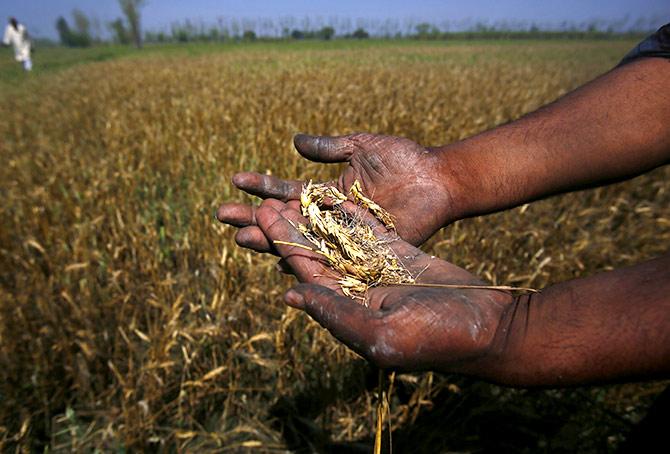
(249, 35)
(422, 30)
(81, 23)
(326, 33)
(131, 9)
(71, 38)
(297, 34)
(64, 32)
(119, 31)
(360, 33)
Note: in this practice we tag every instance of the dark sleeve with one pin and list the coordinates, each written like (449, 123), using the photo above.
(655, 45)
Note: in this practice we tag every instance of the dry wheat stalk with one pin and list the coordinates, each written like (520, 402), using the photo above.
(350, 246)
(347, 242)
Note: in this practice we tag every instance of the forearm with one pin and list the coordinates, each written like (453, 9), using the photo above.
(612, 128)
(609, 327)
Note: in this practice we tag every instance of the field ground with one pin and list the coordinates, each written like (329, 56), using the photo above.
(53, 58)
(129, 320)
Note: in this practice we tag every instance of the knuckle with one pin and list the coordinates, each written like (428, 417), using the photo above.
(283, 190)
(288, 212)
(357, 141)
(265, 204)
(360, 136)
(269, 185)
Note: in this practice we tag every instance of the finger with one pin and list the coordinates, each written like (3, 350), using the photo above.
(350, 322)
(294, 205)
(274, 203)
(267, 186)
(237, 214)
(324, 148)
(253, 238)
(307, 266)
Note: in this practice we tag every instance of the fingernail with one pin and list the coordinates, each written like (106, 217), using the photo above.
(302, 137)
(220, 212)
(294, 299)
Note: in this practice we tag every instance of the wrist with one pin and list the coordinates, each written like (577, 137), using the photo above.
(492, 171)
(455, 180)
(502, 362)
(494, 347)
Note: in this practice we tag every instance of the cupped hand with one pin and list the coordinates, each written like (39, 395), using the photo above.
(403, 327)
(403, 177)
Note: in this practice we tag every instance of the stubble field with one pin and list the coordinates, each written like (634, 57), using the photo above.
(130, 320)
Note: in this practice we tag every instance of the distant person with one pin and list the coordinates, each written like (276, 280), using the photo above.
(17, 35)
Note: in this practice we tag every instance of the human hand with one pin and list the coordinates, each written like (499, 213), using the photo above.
(404, 327)
(400, 175)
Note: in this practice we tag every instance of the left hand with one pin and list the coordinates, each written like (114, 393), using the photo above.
(408, 180)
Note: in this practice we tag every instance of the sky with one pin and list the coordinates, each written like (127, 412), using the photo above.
(40, 15)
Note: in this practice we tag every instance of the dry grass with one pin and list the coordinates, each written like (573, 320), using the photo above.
(129, 319)
(347, 242)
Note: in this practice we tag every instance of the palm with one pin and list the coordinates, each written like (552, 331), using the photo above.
(413, 324)
(403, 326)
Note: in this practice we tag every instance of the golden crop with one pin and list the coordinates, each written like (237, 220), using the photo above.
(128, 316)
(346, 242)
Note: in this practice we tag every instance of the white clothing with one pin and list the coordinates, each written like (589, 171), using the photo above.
(19, 39)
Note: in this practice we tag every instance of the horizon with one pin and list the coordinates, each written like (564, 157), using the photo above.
(40, 16)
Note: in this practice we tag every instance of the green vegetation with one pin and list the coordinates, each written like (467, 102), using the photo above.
(49, 58)
(80, 36)
(131, 11)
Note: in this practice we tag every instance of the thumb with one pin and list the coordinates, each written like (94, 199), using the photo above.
(350, 322)
(324, 148)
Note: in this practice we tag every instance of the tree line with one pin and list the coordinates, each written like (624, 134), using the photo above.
(127, 29)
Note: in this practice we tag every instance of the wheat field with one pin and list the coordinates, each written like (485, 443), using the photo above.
(130, 320)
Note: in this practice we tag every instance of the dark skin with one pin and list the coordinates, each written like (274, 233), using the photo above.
(563, 336)
(608, 327)
(387, 168)
(392, 331)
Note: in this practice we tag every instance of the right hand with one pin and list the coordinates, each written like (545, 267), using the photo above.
(400, 175)
(403, 326)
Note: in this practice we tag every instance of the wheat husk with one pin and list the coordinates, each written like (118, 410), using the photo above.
(349, 245)
(347, 242)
